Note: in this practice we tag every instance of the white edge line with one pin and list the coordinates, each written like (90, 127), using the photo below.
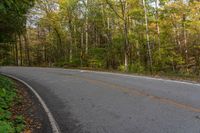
(54, 125)
(133, 76)
(144, 77)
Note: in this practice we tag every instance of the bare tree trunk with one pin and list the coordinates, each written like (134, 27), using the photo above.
(20, 50)
(82, 42)
(16, 52)
(86, 35)
(59, 43)
(147, 35)
(71, 40)
(185, 43)
(178, 42)
(86, 28)
(27, 53)
(126, 48)
(157, 26)
(75, 40)
(13, 52)
(70, 48)
(125, 23)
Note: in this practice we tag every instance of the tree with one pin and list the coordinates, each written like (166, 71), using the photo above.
(128, 35)
(13, 20)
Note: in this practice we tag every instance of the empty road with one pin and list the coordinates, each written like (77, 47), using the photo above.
(100, 102)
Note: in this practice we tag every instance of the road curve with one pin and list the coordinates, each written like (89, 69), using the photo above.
(100, 102)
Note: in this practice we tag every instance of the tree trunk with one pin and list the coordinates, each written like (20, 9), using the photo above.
(27, 53)
(126, 45)
(20, 50)
(82, 42)
(16, 52)
(147, 36)
(86, 27)
(86, 35)
(185, 43)
(126, 48)
(157, 27)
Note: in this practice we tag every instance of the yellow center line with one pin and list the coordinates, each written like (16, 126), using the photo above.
(133, 91)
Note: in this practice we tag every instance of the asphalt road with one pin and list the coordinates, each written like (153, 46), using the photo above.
(99, 102)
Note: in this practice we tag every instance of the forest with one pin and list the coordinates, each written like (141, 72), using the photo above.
(140, 36)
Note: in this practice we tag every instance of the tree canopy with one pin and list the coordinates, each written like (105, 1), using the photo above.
(13, 17)
(127, 35)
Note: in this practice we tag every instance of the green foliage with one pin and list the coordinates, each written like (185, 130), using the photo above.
(13, 19)
(19, 124)
(7, 96)
(122, 68)
(97, 57)
(98, 34)
(5, 55)
(7, 93)
(136, 68)
(5, 114)
(6, 127)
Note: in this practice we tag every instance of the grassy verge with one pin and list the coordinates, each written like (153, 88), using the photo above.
(8, 95)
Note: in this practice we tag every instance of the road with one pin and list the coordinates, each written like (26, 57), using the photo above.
(100, 102)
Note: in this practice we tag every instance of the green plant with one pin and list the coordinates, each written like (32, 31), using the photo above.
(137, 67)
(20, 124)
(7, 96)
(6, 127)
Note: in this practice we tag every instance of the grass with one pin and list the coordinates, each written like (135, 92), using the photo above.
(8, 122)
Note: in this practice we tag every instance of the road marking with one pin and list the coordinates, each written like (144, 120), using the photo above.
(54, 125)
(133, 91)
(82, 71)
(143, 77)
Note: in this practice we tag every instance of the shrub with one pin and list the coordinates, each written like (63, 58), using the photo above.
(7, 96)
(137, 67)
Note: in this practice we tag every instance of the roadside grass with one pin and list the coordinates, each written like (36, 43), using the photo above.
(8, 95)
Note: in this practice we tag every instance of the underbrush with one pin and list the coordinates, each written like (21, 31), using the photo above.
(8, 122)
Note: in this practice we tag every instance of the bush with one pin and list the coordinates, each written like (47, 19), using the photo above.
(7, 96)
(97, 57)
(137, 68)
(122, 68)
(6, 127)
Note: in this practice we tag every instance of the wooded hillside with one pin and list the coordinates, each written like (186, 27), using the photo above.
(127, 35)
